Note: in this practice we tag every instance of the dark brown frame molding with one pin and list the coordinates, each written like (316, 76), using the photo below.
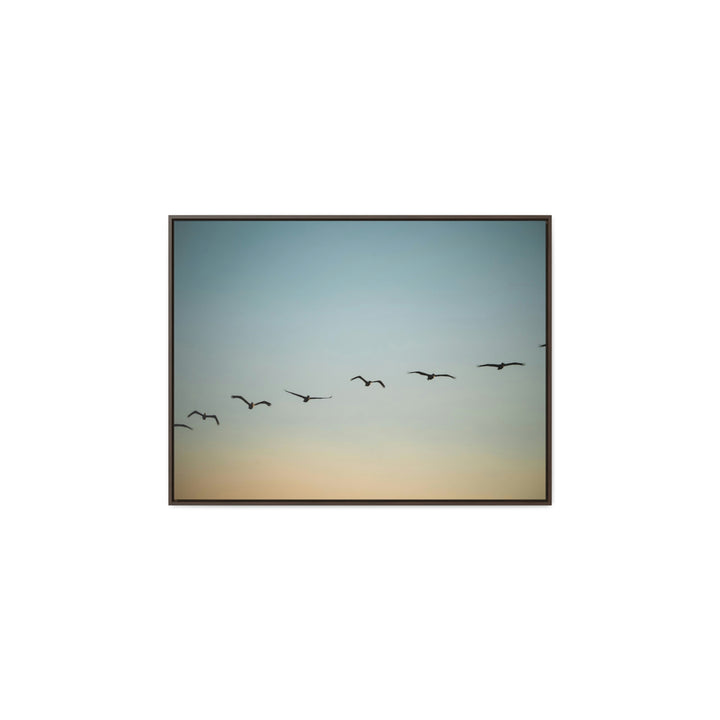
(548, 378)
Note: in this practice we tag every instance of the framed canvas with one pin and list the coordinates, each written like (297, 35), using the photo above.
(360, 359)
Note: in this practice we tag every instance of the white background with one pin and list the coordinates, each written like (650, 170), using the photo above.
(116, 605)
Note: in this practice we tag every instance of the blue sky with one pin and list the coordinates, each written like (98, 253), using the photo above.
(263, 306)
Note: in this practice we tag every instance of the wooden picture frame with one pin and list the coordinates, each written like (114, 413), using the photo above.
(321, 304)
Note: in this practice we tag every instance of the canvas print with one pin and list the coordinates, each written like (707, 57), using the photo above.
(395, 359)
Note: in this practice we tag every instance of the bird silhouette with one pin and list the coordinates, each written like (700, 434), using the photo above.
(306, 398)
(430, 376)
(182, 425)
(499, 366)
(368, 383)
(251, 405)
(204, 416)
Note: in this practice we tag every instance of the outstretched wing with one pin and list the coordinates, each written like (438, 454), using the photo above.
(543, 345)
(295, 394)
(506, 364)
(358, 377)
(321, 398)
(264, 402)
(240, 397)
(182, 425)
(378, 381)
(445, 375)
(214, 416)
(418, 372)
(195, 412)
(489, 365)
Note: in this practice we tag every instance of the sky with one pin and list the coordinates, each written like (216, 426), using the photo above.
(261, 307)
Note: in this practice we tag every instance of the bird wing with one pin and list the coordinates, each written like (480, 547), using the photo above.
(445, 375)
(292, 393)
(378, 381)
(195, 412)
(543, 345)
(506, 364)
(182, 425)
(264, 402)
(358, 377)
(240, 397)
(321, 398)
(214, 416)
(489, 365)
(418, 372)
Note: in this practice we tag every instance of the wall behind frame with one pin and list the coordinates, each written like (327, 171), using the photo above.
(599, 606)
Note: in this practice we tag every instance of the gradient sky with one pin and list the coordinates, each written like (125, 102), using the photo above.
(263, 306)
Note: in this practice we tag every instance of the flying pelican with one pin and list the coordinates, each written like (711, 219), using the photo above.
(182, 425)
(500, 366)
(430, 376)
(368, 383)
(251, 405)
(204, 416)
(308, 397)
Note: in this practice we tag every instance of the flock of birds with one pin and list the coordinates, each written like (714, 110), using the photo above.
(368, 383)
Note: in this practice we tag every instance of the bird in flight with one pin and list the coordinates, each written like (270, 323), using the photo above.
(182, 425)
(499, 366)
(251, 405)
(305, 398)
(430, 376)
(543, 345)
(204, 416)
(368, 383)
